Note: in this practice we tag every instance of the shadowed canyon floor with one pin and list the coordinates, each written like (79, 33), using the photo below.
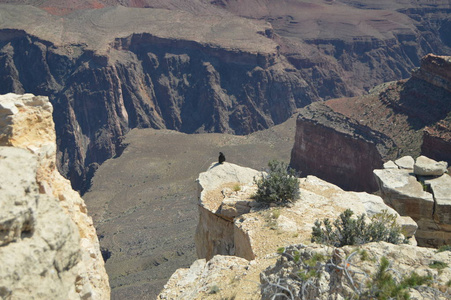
(144, 203)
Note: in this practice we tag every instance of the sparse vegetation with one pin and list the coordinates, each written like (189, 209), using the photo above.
(236, 188)
(271, 218)
(214, 289)
(279, 186)
(308, 268)
(355, 231)
(444, 248)
(439, 265)
(384, 286)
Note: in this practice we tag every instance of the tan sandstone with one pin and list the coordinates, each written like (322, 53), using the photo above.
(26, 122)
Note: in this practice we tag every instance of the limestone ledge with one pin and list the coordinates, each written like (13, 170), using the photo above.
(26, 122)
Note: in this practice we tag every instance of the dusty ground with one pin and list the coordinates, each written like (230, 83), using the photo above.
(144, 202)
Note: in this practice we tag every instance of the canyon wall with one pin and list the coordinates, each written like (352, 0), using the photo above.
(211, 71)
(40, 211)
(338, 149)
(347, 136)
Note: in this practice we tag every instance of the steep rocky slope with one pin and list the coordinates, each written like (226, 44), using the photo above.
(194, 66)
(49, 247)
(412, 115)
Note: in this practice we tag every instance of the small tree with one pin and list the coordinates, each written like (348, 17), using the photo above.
(279, 186)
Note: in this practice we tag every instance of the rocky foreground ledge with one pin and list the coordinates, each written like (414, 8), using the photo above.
(237, 241)
(420, 189)
(48, 244)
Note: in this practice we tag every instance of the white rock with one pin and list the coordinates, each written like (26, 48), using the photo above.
(405, 162)
(425, 166)
(390, 165)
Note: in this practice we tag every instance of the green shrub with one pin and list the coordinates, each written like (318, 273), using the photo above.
(349, 231)
(279, 186)
(444, 248)
(439, 265)
(384, 286)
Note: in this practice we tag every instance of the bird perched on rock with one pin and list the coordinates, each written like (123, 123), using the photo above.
(221, 158)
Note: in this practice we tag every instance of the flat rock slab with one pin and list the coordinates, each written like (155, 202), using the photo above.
(401, 190)
(405, 162)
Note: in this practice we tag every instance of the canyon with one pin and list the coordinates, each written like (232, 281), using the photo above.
(231, 67)
(202, 66)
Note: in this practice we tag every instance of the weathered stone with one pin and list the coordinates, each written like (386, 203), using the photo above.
(390, 165)
(404, 193)
(30, 126)
(425, 166)
(40, 250)
(408, 225)
(405, 162)
(204, 278)
(441, 189)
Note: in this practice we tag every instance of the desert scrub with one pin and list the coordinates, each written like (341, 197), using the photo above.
(305, 273)
(444, 248)
(383, 284)
(279, 186)
(346, 230)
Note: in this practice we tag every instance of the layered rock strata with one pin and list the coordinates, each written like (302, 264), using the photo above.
(155, 68)
(422, 192)
(199, 66)
(56, 223)
(347, 273)
(412, 115)
(338, 149)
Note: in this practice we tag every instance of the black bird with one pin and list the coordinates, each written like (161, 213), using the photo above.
(221, 158)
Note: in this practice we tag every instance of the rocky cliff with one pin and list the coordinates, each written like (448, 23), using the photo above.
(40, 211)
(411, 115)
(238, 241)
(198, 66)
(338, 149)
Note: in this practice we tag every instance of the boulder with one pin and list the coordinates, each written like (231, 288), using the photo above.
(405, 162)
(404, 193)
(425, 166)
(390, 165)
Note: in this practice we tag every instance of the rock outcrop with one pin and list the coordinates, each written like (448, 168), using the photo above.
(42, 212)
(338, 149)
(398, 111)
(262, 231)
(422, 193)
